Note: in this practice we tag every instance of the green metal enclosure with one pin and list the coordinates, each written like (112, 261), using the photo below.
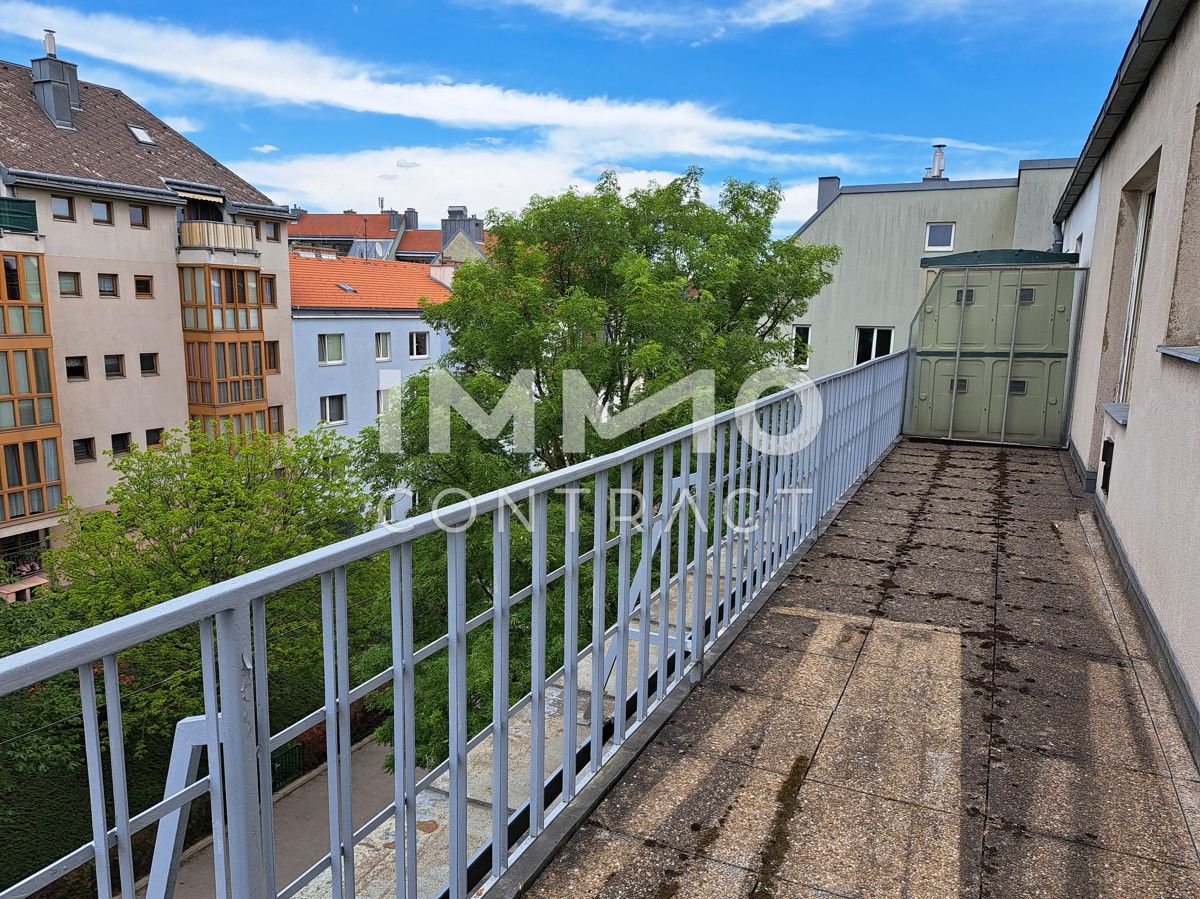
(991, 346)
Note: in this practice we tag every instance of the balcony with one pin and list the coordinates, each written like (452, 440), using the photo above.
(18, 215)
(217, 236)
(889, 668)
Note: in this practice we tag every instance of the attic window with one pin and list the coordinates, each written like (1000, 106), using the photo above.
(140, 134)
(346, 287)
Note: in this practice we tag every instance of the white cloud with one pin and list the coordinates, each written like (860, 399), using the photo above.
(265, 148)
(183, 124)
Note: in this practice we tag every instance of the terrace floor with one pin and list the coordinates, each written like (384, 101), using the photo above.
(949, 696)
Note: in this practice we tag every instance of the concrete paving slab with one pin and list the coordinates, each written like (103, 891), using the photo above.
(809, 678)
(804, 630)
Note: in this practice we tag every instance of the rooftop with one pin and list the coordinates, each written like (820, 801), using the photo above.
(949, 695)
(346, 225)
(101, 146)
(373, 283)
(421, 240)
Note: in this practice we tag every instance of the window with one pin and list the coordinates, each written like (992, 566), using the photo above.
(26, 391)
(333, 409)
(1026, 296)
(143, 287)
(69, 284)
(801, 345)
(154, 436)
(32, 478)
(271, 350)
(267, 287)
(1018, 387)
(418, 345)
(1144, 217)
(958, 386)
(24, 307)
(141, 134)
(77, 368)
(63, 208)
(219, 299)
(102, 213)
(939, 236)
(139, 216)
(872, 343)
(114, 366)
(84, 448)
(237, 372)
(120, 444)
(108, 285)
(383, 346)
(966, 297)
(275, 419)
(272, 231)
(148, 363)
(381, 400)
(330, 349)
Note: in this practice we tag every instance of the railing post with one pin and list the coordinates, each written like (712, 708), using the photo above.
(239, 738)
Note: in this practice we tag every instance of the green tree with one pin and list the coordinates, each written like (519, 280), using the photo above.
(634, 289)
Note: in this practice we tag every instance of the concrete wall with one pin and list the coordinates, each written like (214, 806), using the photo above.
(359, 376)
(879, 281)
(1155, 482)
(1038, 192)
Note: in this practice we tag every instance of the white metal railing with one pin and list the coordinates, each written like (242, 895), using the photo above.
(659, 629)
(216, 236)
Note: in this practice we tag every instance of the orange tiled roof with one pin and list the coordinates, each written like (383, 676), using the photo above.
(370, 225)
(421, 240)
(378, 284)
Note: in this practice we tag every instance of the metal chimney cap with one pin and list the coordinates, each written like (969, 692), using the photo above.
(48, 42)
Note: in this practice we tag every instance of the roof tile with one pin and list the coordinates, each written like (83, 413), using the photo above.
(378, 284)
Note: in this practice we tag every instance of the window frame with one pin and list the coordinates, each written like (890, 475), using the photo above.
(78, 279)
(108, 207)
(142, 364)
(323, 415)
(86, 376)
(128, 441)
(120, 357)
(801, 366)
(89, 445)
(939, 248)
(263, 282)
(1137, 279)
(70, 216)
(145, 225)
(875, 330)
(141, 294)
(275, 228)
(323, 349)
(156, 439)
(387, 340)
(271, 349)
(115, 294)
(412, 336)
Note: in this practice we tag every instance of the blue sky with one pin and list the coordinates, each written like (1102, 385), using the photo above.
(332, 104)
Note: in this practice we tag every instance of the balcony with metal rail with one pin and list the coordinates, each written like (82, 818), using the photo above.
(202, 235)
(839, 665)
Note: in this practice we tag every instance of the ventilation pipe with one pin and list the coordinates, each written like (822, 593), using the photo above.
(935, 171)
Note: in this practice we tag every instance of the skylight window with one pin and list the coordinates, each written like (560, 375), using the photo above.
(346, 287)
(141, 134)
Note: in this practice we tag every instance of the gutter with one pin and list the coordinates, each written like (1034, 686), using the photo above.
(1154, 32)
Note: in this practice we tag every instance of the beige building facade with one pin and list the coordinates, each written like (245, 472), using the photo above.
(145, 286)
(885, 230)
(1132, 209)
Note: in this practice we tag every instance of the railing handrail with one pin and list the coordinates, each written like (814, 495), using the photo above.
(30, 666)
(204, 233)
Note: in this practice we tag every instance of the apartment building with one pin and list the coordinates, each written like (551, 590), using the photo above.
(885, 230)
(358, 332)
(145, 284)
(1132, 211)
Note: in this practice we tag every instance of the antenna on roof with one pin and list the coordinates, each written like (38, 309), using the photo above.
(48, 43)
(381, 204)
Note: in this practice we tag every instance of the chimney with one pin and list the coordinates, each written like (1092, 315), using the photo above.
(934, 172)
(459, 220)
(395, 220)
(827, 188)
(56, 84)
(410, 219)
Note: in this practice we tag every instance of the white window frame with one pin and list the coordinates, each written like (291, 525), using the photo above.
(802, 366)
(875, 330)
(325, 403)
(940, 249)
(323, 357)
(387, 346)
(381, 401)
(1145, 222)
(412, 345)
